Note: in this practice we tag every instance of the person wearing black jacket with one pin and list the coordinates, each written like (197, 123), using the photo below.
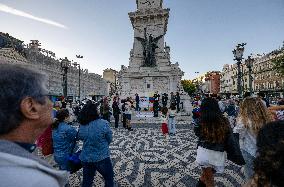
(177, 98)
(116, 111)
(165, 100)
(137, 100)
(156, 104)
(212, 131)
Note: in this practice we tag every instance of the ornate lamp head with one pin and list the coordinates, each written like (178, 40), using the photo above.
(239, 51)
(65, 63)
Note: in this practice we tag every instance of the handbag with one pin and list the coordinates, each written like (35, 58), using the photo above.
(233, 150)
(73, 160)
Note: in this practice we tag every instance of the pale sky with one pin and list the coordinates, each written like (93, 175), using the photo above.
(201, 33)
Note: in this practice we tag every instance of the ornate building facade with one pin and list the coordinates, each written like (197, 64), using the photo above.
(208, 82)
(91, 84)
(265, 77)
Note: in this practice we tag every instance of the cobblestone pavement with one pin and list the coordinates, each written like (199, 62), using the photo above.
(144, 157)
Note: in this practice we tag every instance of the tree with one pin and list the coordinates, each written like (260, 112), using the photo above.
(188, 86)
(279, 64)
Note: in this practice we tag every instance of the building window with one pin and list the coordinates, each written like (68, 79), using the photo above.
(148, 85)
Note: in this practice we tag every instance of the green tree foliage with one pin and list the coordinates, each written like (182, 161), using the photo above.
(188, 86)
(279, 64)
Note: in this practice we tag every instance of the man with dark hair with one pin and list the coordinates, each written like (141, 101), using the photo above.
(165, 100)
(25, 112)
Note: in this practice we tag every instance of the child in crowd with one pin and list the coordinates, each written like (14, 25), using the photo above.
(128, 112)
(164, 120)
(171, 119)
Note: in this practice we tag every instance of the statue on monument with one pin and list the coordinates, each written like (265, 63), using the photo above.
(149, 49)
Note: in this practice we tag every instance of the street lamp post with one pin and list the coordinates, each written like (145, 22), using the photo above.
(79, 95)
(65, 63)
(197, 82)
(238, 54)
(249, 64)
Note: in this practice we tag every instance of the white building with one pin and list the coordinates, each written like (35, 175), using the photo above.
(45, 61)
(265, 77)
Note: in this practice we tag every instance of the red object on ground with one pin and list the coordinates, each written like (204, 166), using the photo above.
(165, 129)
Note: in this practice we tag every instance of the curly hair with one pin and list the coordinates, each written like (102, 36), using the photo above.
(61, 115)
(269, 164)
(214, 126)
(88, 113)
(254, 114)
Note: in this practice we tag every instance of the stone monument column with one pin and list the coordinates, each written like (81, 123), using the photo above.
(150, 68)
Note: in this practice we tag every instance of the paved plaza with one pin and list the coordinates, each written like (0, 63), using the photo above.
(144, 157)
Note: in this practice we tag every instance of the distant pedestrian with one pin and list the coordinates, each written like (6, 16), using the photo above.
(165, 100)
(221, 104)
(177, 99)
(106, 109)
(63, 103)
(115, 111)
(137, 100)
(171, 119)
(231, 112)
(128, 113)
(156, 105)
(172, 99)
(265, 101)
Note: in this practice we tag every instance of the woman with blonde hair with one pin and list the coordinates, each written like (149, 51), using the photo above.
(253, 115)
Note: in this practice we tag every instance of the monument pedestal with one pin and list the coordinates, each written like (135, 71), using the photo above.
(150, 69)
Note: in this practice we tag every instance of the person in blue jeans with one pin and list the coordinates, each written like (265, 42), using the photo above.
(96, 136)
(63, 136)
(172, 122)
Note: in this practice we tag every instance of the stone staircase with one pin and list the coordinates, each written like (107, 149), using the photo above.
(147, 118)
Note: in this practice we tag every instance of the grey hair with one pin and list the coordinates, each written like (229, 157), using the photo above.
(17, 83)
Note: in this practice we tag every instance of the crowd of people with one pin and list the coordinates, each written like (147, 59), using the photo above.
(217, 120)
(247, 132)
